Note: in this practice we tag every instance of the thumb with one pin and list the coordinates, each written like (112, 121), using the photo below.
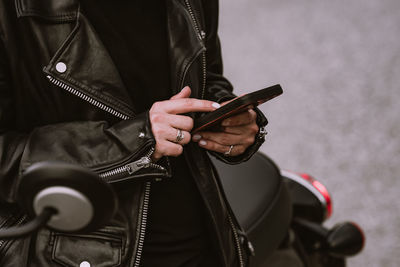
(184, 93)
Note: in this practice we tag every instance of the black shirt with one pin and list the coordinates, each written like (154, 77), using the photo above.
(135, 34)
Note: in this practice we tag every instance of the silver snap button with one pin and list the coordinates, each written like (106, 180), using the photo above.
(141, 135)
(61, 67)
(84, 264)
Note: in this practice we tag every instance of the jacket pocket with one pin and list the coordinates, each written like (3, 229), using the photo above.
(103, 248)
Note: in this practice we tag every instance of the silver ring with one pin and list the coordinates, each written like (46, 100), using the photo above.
(179, 136)
(227, 153)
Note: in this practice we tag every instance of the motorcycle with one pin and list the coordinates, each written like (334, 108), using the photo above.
(281, 212)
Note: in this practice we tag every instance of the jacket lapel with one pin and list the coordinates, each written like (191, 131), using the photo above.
(87, 70)
(89, 67)
(184, 42)
(54, 10)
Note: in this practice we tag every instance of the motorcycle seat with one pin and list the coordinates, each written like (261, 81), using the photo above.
(260, 200)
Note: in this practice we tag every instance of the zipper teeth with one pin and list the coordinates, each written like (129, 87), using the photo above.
(204, 74)
(87, 98)
(143, 224)
(19, 221)
(113, 172)
(236, 236)
(124, 168)
(156, 166)
(193, 18)
(150, 153)
(201, 37)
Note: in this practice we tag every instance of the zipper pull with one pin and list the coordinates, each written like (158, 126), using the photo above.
(250, 248)
(244, 239)
(143, 162)
(202, 35)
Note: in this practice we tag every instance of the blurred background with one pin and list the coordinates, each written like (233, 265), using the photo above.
(339, 116)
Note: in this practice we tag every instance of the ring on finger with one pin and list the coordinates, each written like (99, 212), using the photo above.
(227, 153)
(179, 136)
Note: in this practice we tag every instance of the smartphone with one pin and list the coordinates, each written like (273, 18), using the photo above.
(236, 106)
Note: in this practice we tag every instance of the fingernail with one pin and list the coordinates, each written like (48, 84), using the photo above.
(196, 137)
(225, 123)
(216, 105)
(203, 143)
(184, 88)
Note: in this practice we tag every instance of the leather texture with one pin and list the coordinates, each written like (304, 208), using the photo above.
(40, 120)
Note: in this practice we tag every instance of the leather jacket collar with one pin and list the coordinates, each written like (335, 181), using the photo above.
(182, 50)
(53, 10)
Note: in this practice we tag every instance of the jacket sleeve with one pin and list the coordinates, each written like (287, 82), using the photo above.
(92, 144)
(218, 88)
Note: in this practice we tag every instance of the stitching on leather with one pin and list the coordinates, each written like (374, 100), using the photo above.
(24, 11)
(38, 13)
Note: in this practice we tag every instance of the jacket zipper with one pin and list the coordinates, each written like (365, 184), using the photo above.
(16, 223)
(130, 168)
(237, 241)
(87, 98)
(201, 34)
(204, 64)
(143, 224)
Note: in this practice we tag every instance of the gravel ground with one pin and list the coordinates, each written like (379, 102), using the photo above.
(337, 119)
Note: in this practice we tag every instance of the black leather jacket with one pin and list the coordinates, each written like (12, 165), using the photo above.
(62, 99)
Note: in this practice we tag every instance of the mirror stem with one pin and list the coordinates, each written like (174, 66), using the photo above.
(26, 229)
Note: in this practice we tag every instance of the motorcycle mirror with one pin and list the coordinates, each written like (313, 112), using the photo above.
(81, 200)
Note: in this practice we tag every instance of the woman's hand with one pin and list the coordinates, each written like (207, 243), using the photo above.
(166, 122)
(236, 135)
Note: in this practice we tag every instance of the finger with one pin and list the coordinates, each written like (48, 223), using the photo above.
(164, 132)
(238, 130)
(213, 146)
(248, 129)
(247, 117)
(181, 122)
(185, 105)
(184, 93)
(166, 148)
(173, 135)
(221, 138)
(177, 121)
